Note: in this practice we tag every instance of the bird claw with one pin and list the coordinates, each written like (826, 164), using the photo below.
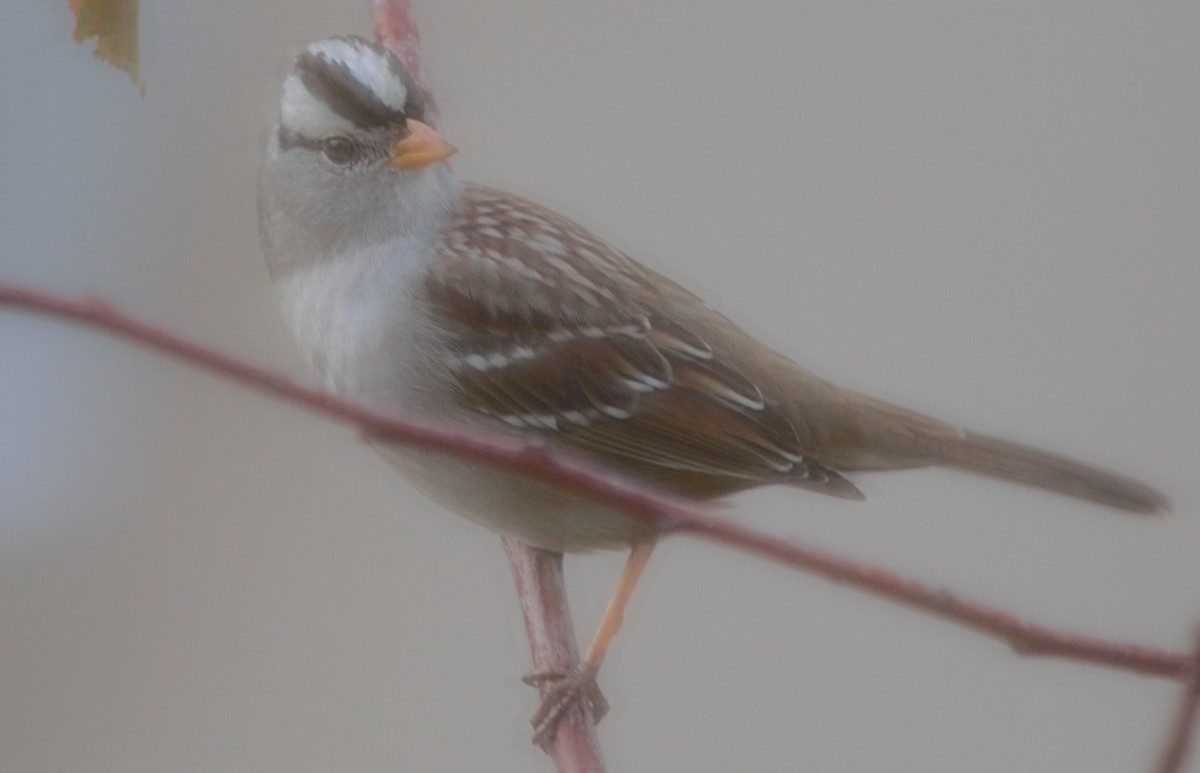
(564, 690)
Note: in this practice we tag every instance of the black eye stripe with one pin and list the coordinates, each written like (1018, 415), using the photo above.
(289, 139)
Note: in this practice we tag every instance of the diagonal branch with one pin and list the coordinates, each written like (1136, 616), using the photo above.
(668, 514)
(1179, 742)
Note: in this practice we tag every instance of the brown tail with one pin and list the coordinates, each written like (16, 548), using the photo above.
(886, 436)
(1022, 464)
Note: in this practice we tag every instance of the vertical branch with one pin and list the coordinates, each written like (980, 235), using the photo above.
(396, 28)
(538, 573)
(540, 586)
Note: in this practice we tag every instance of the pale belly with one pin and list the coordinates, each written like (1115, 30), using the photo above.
(537, 513)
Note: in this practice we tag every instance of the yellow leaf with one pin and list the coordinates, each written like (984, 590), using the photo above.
(113, 23)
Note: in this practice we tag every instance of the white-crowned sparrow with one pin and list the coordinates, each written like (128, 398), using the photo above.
(474, 307)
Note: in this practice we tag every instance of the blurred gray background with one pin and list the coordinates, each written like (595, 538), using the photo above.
(987, 211)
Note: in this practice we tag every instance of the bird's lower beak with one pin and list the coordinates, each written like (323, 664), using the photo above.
(422, 146)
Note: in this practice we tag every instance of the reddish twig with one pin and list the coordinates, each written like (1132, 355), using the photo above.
(1025, 638)
(668, 514)
(1179, 742)
(540, 586)
(396, 28)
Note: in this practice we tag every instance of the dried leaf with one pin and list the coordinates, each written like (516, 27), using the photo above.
(113, 23)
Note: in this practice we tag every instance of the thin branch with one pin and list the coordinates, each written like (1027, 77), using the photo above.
(1179, 742)
(396, 28)
(1025, 638)
(540, 586)
(668, 514)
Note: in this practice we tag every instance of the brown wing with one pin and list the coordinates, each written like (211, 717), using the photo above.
(553, 331)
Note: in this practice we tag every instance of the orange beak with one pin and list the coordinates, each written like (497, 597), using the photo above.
(422, 146)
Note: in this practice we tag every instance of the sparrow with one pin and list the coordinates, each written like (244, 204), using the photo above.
(474, 308)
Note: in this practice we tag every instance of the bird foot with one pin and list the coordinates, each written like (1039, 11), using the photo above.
(564, 690)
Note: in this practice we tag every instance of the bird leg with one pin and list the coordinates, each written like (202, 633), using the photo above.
(562, 689)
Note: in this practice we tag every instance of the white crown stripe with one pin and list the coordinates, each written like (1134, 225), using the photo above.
(308, 115)
(370, 66)
(303, 113)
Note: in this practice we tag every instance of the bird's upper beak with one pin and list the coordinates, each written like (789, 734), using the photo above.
(422, 146)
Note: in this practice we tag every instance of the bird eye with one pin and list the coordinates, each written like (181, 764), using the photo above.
(339, 150)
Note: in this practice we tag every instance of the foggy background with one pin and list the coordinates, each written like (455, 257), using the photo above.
(986, 211)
